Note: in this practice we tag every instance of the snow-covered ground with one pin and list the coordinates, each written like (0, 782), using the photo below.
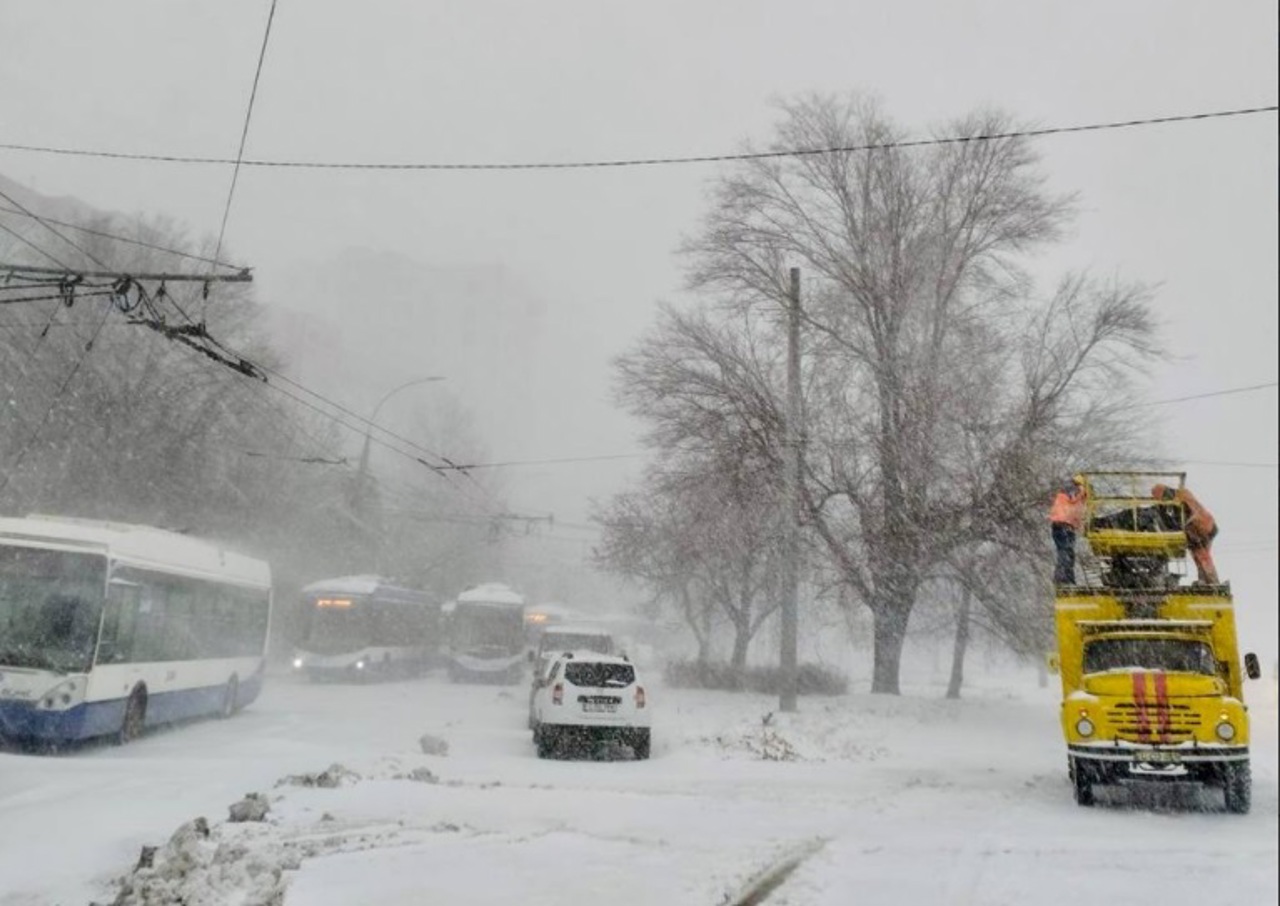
(911, 800)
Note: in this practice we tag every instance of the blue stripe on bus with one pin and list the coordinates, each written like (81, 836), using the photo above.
(22, 720)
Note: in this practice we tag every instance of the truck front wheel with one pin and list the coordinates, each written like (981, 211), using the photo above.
(1081, 782)
(1237, 787)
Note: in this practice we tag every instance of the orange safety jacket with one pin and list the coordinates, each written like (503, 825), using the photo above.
(1068, 509)
(1199, 523)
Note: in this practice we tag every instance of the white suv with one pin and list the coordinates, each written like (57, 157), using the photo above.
(554, 642)
(588, 698)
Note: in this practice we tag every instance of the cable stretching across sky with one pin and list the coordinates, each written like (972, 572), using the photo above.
(244, 134)
(643, 161)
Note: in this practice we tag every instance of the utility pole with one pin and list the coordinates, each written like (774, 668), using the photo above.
(791, 495)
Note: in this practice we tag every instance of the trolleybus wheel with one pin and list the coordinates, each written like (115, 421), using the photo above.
(135, 716)
(230, 697)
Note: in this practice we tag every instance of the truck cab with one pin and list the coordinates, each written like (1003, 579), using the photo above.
(1152, 680)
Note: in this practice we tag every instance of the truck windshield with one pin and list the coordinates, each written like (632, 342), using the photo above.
(1173, 655)
(50, 608)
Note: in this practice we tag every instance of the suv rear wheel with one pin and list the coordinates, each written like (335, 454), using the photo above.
(544, 741)
(640, 743)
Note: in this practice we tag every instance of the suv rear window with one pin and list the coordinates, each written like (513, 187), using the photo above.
(599, 676)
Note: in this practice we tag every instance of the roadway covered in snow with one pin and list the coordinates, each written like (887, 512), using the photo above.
(874, 799)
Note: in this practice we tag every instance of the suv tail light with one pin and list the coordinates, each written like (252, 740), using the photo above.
(557, 694)
(639, 696)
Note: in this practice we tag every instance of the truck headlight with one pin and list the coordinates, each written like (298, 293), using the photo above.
(1084, 726)
(1226, 732)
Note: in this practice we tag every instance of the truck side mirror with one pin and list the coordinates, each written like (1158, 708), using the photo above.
(1252, 668)
(1052, 664)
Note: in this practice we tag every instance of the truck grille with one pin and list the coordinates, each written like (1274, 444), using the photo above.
(1153, 722)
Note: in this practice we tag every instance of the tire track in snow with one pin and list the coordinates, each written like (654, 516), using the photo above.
(761, 885)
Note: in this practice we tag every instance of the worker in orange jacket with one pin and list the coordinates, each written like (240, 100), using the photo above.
(1200, 526)
(1066, 517)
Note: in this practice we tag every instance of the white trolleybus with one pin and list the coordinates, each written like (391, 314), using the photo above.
(108, 628)
(363, 627)
(486, 631)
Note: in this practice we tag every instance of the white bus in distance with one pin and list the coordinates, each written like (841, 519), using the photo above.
(362, 627)
(487, 635)
(107, 628)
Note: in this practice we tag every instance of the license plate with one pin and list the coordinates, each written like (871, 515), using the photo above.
(599, 707)
(1160, 758)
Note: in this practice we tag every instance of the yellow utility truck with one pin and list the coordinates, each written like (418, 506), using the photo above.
(1152, 681)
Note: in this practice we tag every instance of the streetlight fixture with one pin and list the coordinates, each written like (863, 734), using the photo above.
(360, 490)
(368, 430)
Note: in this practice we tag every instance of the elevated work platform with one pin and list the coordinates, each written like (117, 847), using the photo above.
(1123, 519)
(1133, 539)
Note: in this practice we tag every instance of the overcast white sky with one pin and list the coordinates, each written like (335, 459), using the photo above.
(1192, 207)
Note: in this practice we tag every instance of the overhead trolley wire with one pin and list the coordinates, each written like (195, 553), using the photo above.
(27, 445)
(244, 133)
(27, 242)
(59, 296)
(118, 238)
(619, 163)
(242, 277)
(1229, 465)
(46, 224)
(441, 470)
(1204, 396)
(411, 456)
(465, 467)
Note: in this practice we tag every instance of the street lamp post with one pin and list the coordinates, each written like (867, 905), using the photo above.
(362, 474)
(368, 429)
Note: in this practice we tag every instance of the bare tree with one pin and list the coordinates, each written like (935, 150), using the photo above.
(937, 382)
(708, 392)
(644, 539)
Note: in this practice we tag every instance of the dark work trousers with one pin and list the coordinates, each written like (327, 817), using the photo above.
(1064, 539)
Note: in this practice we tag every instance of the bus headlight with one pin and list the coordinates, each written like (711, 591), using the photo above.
(297, 663)
(1084, 726)
(61, 697)
(1226, 732)
(359, 665)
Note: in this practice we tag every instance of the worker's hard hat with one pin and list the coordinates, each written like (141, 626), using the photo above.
(1077, 479)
